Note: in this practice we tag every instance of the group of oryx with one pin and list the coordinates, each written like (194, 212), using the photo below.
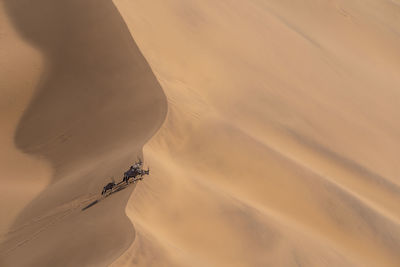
(133, 174)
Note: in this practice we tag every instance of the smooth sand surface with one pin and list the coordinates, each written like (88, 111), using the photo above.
(78, 101)
(281, 143)
(17, 60)
(280, 146)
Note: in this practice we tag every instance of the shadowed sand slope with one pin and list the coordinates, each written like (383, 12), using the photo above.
(17, 59)
(97, 102)
(281, 143)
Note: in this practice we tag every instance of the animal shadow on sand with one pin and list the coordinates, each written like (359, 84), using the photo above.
(94, 85)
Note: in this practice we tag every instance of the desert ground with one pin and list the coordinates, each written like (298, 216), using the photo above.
(270, 128)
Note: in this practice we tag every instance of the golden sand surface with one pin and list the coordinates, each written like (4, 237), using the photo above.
(281, 143)
(270, 128)
(78, 101)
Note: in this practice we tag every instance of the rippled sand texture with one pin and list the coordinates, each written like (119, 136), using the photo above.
(281, 143)
(78, 101)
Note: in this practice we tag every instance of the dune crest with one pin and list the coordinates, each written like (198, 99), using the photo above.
(94, 106)
(281, 142)
(279, 147)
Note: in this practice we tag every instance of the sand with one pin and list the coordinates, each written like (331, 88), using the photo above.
(279, 147)
(88, 105)
(281, 143)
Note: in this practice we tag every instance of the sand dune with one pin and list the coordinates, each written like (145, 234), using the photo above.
(18, 59)
(87, 117)
(280, 146)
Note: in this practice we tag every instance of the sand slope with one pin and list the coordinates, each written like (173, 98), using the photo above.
(94, 106)
(280, 146)
(281, 142)
(18, 59)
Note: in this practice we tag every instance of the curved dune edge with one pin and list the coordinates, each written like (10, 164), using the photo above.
(280, 144)
(18, 59)
(94, 103)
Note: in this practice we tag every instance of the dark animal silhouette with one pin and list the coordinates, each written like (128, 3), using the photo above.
(135, 172)
(132, 172)
(109, 186)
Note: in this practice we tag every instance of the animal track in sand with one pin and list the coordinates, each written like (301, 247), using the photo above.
(43, 222)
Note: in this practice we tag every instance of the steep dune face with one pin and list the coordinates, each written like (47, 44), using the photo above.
(281, 142)
(96, 104)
